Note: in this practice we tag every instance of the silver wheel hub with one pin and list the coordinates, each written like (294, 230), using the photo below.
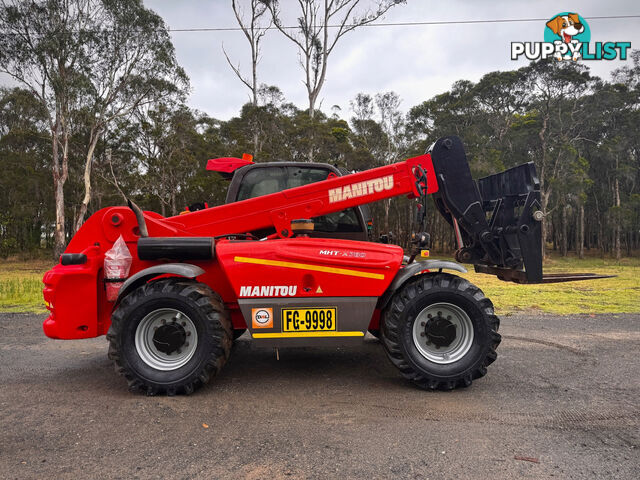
(443, 333)
(166, 339)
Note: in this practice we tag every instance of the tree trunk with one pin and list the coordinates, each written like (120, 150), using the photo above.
(580, 236)
(174, 208)
(254, 92)
(587, 232)
(616, 193)
(544, 200)
(312, 103)
(256, 141)
(564, 239)
(60, 174)
(617, 221)
(544, 195)
(59, 242)
(87, 181)
(387, 206)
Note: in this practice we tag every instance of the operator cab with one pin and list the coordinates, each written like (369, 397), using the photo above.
(258, 179)
(251, 180)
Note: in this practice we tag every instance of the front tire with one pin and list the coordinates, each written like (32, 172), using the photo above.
(169, 336)
(440, 331)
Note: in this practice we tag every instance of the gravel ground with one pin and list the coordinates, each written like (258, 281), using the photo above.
(562, 400)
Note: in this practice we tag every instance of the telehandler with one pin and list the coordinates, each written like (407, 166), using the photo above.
(198, 280)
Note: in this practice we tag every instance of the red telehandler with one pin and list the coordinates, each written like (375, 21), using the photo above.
(197, 278)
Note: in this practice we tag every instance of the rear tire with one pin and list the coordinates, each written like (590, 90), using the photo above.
(440, 331)
(169, 336)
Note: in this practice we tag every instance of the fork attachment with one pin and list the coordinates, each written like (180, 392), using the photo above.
(497, 219)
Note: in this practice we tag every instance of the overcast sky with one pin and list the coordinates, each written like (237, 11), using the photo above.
(417, 62)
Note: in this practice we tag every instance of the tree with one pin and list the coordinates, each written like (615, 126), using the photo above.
(88, 62)
(254, 31)
(133, 64)
(368, 136)
(393, 125)
(500, 97)
(392, 122)
(557, 122)
(39, 51)
(25, 206)
(316, 39)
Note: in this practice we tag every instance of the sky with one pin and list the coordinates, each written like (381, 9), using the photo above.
(417, 62)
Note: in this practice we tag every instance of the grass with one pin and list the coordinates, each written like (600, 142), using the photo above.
(620, 294)
(21, 285)
(21, 288)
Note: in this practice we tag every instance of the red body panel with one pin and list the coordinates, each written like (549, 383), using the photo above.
(227, 164)
(75, 293)
(314, 267)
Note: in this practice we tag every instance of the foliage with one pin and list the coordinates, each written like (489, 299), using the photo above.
(87, 63)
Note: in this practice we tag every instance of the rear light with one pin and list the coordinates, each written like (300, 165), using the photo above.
(47, 293)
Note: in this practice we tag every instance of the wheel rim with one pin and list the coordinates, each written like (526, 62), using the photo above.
(443, 333)
(166, 339)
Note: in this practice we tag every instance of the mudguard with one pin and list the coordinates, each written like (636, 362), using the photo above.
(143, 276)
(404, 274)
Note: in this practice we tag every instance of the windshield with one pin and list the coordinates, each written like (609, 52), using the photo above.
(265, 180)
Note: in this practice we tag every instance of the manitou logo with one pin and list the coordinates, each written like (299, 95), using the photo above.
(268, 291)
(360, 189)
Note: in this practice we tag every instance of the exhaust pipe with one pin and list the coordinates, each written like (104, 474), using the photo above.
(142, 224)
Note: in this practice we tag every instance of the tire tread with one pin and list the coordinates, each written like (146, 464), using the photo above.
(218, 327)
(392, 322)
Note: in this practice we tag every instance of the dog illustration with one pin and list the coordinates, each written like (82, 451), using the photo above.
(566, 26)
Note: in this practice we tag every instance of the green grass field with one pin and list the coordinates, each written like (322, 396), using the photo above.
(21, 288)
(620, 294)
(21, 285)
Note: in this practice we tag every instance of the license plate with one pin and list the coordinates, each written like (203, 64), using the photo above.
(309, 319)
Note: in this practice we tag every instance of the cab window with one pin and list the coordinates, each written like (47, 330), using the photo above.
(265, 180)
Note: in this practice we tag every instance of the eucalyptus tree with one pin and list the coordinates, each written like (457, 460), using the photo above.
(25, 206)
(320, 25)
(558, 122)
(132, 65)
(254, 26)
(88, 62)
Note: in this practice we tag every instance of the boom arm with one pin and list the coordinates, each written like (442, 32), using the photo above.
(412, 177)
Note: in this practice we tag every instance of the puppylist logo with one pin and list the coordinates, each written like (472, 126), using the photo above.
(566, 37)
